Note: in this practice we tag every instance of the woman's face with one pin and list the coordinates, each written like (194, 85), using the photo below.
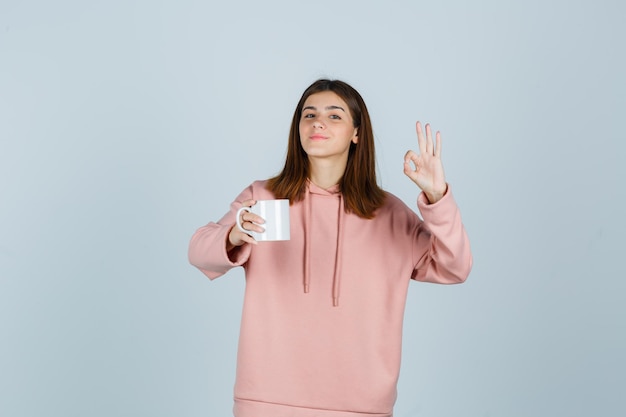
(326, 127)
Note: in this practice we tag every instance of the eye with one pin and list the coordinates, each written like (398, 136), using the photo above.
(308, 116)
(335, 117)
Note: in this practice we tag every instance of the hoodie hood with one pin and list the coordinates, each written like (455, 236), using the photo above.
(311, 193)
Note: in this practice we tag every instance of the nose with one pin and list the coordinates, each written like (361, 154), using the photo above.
(317, 124)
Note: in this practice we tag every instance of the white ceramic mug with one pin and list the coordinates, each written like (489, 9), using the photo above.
(276, 216)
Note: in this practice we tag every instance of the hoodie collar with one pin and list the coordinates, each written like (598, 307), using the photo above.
(315, 189)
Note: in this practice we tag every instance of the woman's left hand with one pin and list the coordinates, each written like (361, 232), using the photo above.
(428, 172)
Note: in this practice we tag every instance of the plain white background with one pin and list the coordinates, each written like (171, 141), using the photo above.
(125, 125)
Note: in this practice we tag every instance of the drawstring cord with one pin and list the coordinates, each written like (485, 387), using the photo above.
(307, 242)
(337, 273)
(307, 247)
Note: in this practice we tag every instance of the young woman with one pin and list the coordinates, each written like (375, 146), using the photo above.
(321, 330)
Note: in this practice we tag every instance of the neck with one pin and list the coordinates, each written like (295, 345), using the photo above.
(325, 173)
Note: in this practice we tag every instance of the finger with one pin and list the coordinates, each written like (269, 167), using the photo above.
(420, 138)
(429, 140)
(248, 239)
(253, 227)
(252, 218)
(438, 148)
(238, 237)
(410, 156)
(248, 203)
(408, 170)
(250, 221)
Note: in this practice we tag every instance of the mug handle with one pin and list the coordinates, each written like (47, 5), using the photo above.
(238, 220)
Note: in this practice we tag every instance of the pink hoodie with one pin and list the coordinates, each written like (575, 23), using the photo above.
(321, 331)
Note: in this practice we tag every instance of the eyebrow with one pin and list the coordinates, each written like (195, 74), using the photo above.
(327, 108)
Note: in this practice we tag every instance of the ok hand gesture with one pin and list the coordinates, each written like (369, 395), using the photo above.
(428, 172)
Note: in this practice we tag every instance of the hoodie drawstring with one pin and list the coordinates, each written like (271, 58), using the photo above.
(307, 247)
(307, 241)
(337, 273)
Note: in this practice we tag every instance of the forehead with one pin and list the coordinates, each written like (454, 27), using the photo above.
(325, 99)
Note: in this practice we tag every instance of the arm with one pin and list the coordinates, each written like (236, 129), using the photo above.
(441, 248)
(220, 246)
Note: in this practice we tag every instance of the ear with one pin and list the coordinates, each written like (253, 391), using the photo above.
(355, 138)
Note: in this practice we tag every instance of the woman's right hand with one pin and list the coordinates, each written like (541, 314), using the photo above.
(236, 237)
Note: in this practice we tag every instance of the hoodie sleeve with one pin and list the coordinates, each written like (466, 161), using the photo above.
(207, 248)
(441, 249)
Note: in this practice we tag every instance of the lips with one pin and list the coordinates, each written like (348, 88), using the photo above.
(318, 136)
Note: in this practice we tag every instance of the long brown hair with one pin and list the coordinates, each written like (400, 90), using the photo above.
(361, 193)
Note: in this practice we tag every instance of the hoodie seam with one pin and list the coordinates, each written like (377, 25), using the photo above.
(311, 408)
